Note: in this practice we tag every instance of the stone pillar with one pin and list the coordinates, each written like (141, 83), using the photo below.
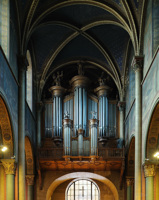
(149, 171)
(121, 105)
(30, 183)
(9, 167)
(130, 187)
(39, 109)
(22, 64)
(137, 66)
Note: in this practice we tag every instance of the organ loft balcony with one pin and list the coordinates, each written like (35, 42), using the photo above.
(80, 127)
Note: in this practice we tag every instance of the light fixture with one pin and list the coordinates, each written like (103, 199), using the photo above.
(156, 155)
(3, 148)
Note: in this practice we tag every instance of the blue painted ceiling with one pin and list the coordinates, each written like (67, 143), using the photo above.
(68, 30)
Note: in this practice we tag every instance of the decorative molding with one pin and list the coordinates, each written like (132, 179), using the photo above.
(9, 166)
(149, 170)
(30, 179)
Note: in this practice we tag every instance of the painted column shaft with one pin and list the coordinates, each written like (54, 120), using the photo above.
(30, 192)
(39, 128)
(150, 188)
(10, 187)
(138, 134)
(21, 135)
(130, 192)
(121, 124)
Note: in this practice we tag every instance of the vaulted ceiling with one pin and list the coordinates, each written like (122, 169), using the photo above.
(97, 33)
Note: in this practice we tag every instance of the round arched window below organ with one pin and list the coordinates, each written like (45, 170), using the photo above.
(82, 189)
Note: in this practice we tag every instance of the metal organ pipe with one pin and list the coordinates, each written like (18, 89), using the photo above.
(102, 92)
(67, 124)
(57, 93)
(93, 130)
(80, 83)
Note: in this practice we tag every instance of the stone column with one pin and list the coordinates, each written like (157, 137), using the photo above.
(121, 105)
(30, 183)
(149, 171)
(9, 167)
(39, 109)
(22, 64)
(137, 66)
(130, 187)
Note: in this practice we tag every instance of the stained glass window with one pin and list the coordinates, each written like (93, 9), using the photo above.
(82, 189)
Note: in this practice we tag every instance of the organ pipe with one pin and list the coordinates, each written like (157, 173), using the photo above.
(93, 124)
(67, 128)
(57, 94)
(102, 92)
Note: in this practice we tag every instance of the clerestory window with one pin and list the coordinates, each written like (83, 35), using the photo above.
(4, 26)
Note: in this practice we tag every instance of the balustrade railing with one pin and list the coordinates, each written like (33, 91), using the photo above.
(51, 153)
(58, 153)
(106, 153)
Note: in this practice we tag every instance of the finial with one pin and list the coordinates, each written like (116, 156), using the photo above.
(57, 78)
(66, 115)
(94, 114)
(80, 69)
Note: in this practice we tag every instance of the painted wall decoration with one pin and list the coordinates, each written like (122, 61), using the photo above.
(150, 91)
(155, 24)
(130, 124)
(130, 90)
(148, 38)
(30, 126)
(9, 88)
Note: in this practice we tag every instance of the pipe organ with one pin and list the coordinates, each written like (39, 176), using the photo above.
(80, 119)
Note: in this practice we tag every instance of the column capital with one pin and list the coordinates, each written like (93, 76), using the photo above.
(22, 62)
(129, 181)
(149, 170)
(30, 179)
(137, 63)
(121, 105)
(9, 166)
